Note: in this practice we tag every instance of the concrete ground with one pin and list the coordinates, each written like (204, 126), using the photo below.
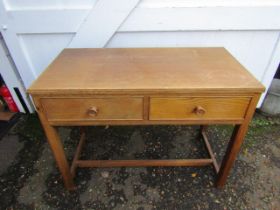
(29, 178)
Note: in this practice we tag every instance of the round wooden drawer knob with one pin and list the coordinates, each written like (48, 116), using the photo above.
(199, 110)
(93, 111)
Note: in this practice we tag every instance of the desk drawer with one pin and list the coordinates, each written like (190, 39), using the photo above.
(198, 108)
(115, 108)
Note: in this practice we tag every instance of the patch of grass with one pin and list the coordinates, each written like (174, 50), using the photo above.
(258, 127)
(260, 122)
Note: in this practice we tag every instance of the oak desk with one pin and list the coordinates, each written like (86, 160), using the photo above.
(145, 86)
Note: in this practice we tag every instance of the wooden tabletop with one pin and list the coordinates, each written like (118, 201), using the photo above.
(145, 69)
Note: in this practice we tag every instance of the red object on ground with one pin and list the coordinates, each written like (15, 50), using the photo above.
(5, 93)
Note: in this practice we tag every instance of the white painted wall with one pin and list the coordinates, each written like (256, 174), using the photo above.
(36, 31)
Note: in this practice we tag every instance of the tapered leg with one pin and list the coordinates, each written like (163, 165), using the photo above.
(235, 144)
(231, 153)
(57, 148)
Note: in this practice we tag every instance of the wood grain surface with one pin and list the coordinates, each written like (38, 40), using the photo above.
(174, 108)
(78, 71)
(116, 108)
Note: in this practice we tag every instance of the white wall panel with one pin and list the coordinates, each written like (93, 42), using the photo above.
(46, 21)
(206, 3)
(41, 49)
(102, 22)
(47, 4)
(203, 18)
(66, 4)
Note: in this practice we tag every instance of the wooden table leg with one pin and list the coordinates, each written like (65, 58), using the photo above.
(57, 148)
(208, 147)
(235, 144)
(231, 153)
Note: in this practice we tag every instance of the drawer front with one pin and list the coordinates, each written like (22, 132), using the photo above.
(198, 108)
(76, 109)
